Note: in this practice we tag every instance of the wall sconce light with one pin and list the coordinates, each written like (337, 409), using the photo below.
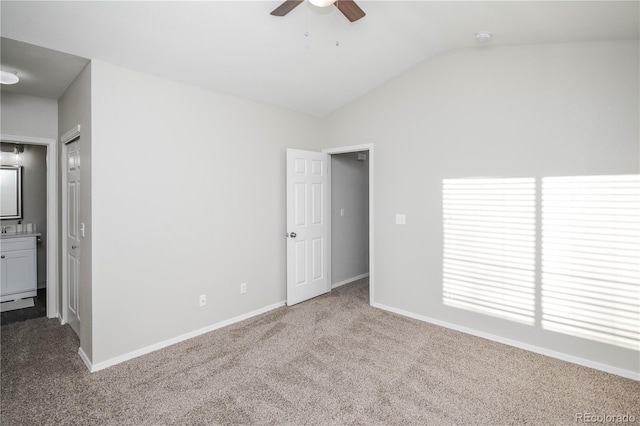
(17, 152)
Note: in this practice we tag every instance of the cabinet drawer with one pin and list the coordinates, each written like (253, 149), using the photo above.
(12, 244)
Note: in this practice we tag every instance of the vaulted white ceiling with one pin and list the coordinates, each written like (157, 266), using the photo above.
(312, 60)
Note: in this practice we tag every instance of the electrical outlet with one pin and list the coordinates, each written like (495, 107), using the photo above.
(203, 299)
(243, 288)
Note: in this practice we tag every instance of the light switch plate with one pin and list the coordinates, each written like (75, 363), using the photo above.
(401, 219)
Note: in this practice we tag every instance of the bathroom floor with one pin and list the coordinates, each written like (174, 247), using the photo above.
(38, 310)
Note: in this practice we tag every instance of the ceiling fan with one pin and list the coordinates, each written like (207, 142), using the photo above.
(348, 7)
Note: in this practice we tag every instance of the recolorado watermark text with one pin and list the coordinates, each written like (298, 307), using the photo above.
(604, 418)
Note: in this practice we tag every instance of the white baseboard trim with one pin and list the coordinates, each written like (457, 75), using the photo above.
(349, 280)
(157, 346)
(532, 348)
(85, 359)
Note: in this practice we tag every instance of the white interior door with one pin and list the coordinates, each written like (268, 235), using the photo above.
(72, 284)
(307, 225)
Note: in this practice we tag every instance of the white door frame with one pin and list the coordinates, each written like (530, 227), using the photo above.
(52, 215)
(69, 136)
(346, 150)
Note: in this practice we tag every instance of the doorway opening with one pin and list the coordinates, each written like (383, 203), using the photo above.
(309, 222)
(351, 215)
(40, 207)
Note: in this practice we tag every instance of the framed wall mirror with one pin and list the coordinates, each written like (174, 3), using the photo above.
(11, 192)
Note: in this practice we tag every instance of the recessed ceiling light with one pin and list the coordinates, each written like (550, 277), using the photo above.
(483, 36)
(8, 77)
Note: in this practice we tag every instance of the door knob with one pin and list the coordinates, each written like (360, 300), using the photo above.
(74, 247)
(293, 235)
(2, 256)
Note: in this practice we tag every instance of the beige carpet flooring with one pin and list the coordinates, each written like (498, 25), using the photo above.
(329, 361)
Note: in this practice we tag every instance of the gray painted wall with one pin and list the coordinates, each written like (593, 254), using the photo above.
(75, 108)
(349, 233)
(521, 111)
(34, 199)
(28, 116)
(171, 224)
(472, 112)
(34, 117)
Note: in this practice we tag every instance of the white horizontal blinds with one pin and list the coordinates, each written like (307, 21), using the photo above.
(591, 257)
(489, 246)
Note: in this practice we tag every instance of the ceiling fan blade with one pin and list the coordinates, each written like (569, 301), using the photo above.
(286, 7)
(350, 9)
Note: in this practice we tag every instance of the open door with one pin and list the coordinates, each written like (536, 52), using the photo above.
(307, 225)
(71, 290)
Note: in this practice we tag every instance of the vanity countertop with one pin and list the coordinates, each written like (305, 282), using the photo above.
(19, 234)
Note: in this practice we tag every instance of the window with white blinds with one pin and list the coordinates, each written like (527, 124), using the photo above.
(591, 257)
(489, 246)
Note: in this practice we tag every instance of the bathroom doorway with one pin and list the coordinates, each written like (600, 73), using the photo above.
(31, 164)
(38, 160)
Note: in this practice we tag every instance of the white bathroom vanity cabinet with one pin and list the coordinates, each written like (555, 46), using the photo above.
(18, 269)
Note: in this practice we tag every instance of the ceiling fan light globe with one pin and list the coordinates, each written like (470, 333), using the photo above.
(322, 3)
